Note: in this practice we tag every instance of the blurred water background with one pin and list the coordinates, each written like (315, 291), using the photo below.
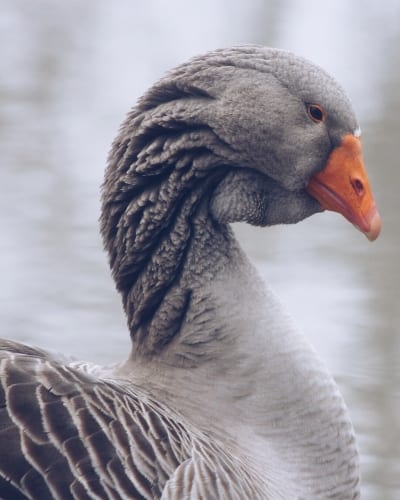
(69, 71)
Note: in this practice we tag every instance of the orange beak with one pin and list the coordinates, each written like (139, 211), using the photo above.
(343, 186)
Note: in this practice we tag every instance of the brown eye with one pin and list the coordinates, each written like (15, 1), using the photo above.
(316, 113)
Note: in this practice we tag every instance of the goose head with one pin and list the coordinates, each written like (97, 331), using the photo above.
(245, 134)
(291, 122)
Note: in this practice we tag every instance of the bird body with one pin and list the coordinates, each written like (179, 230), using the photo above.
(221, 395)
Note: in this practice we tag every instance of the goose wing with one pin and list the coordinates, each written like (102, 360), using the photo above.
(69, 434)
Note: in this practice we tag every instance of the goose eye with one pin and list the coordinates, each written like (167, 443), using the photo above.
(316, 113)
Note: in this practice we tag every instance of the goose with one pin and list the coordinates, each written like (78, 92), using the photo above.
(221, 396)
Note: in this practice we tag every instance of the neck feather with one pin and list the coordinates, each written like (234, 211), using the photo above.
(261, 388)
(162, 169)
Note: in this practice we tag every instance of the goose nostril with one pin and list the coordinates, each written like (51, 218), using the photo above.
(358, 186)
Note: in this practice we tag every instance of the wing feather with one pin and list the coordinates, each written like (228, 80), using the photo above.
(69, 434)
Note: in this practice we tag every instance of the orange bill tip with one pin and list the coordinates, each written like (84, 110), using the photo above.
(343, 186)
(374, 220)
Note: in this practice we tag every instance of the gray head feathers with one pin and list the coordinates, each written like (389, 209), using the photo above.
(227, 132)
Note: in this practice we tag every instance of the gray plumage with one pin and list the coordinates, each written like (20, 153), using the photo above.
(221, 396)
